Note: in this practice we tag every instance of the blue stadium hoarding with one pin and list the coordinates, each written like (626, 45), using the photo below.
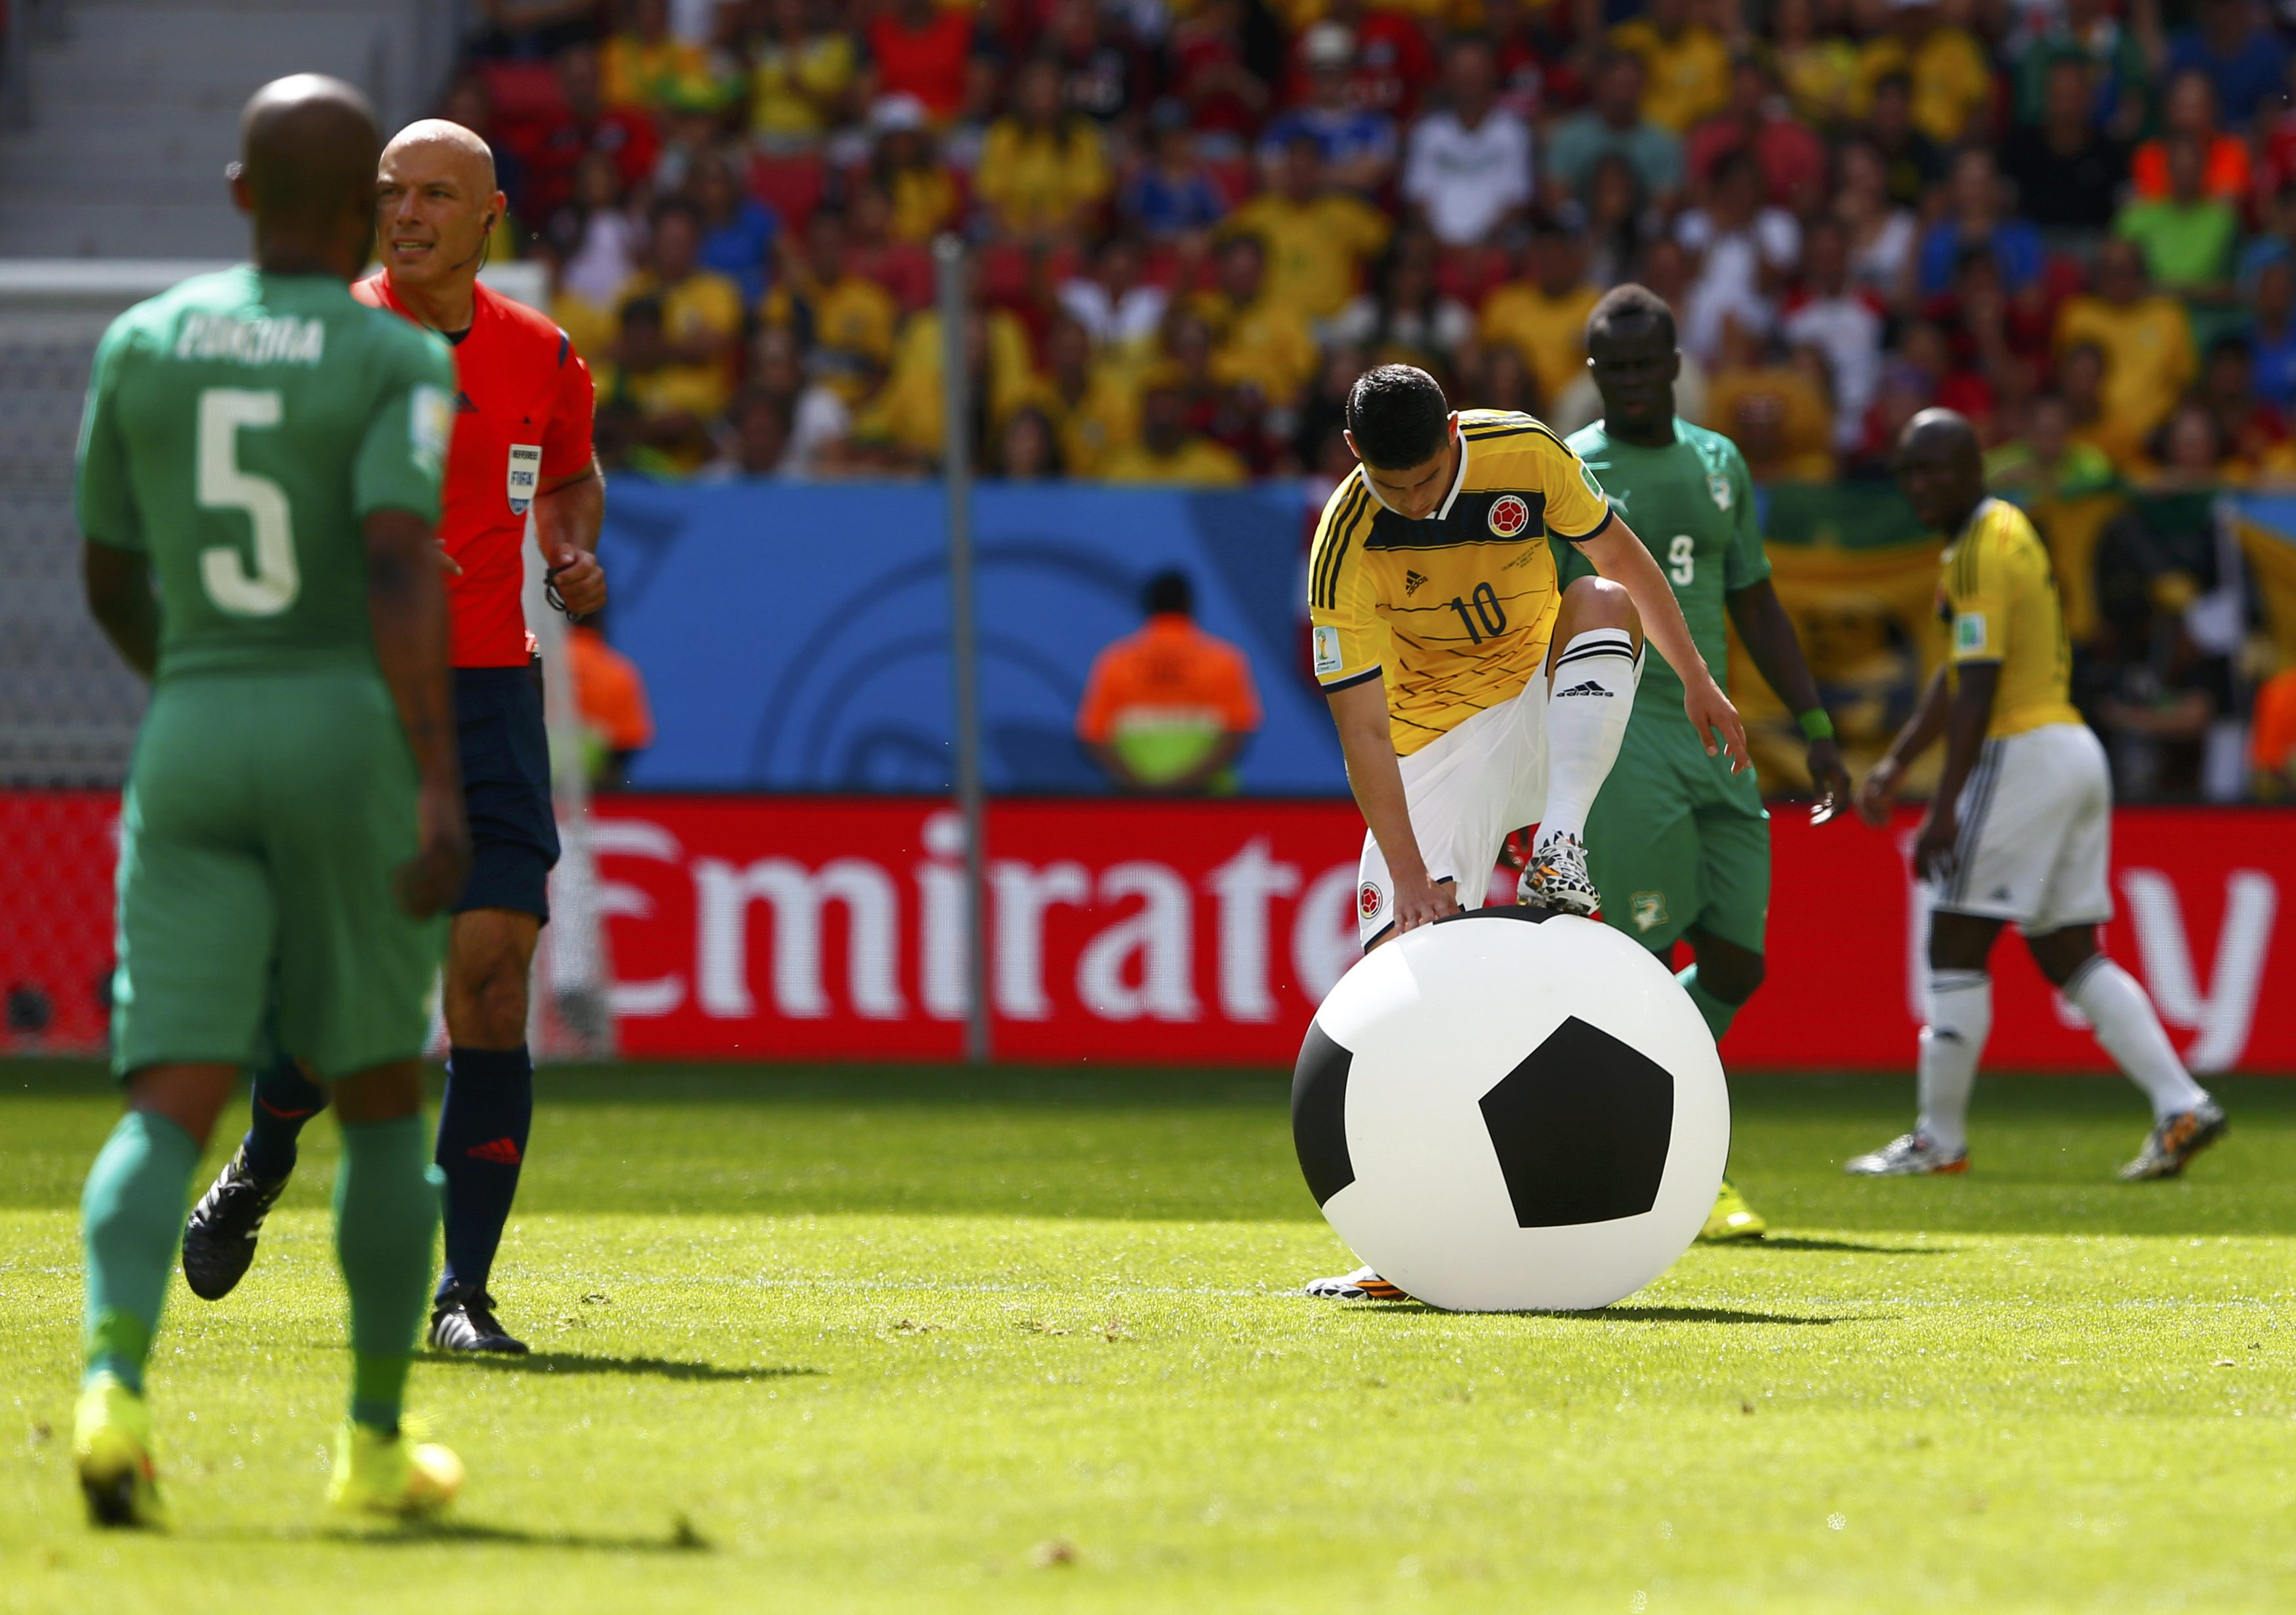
(795, 635)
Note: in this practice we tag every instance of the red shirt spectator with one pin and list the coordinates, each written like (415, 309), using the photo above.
(920, 50)
(1792, 157)
(1394, 63)
(1224, 98)
(551, 151)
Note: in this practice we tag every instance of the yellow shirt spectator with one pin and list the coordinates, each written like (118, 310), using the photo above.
(1041, 180)
(909, 413)
(2148, 361)
(701, 302)
(1687, 74)
(1264, 342)
(1102, 419)
(852, 320)
(1778, 418)
(588, 326)
(1197, 461)
(1549, 332)
(1952, 79)
(790, 85)
(651, 74)
(1822, 79)
(1316, 249)
(924, 201)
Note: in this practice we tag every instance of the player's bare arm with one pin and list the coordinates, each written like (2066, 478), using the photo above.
(406, 603)
(1879, 794)
(567, 514)
(1619, 556)
(1367, 742)
(119, 585)
(1768, 636)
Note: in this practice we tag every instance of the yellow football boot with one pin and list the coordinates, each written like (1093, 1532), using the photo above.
(1731, 1218)
(391, 1477)
(112, 1440)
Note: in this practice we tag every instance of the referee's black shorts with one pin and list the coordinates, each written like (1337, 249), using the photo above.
(506, 789)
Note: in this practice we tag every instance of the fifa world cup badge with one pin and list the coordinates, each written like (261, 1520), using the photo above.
(1718, 486)
(525, 475)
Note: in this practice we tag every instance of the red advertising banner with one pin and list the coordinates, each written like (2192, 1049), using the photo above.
(1205, 932)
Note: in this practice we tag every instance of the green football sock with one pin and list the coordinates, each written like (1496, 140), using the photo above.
(1719, 1014)
(386, 1220)
(132, 1221)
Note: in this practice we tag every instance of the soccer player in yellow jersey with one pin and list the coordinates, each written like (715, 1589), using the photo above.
(2021, 826)
(1474, 693)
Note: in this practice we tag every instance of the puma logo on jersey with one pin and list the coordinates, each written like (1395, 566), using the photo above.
(1411, 582)
(1589, 688)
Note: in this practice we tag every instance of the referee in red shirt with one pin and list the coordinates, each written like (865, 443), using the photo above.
(521, 444)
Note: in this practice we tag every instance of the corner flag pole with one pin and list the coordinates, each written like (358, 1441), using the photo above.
(956, 432)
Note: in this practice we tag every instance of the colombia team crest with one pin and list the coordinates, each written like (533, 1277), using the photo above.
(1367, 900)
(1509, 515)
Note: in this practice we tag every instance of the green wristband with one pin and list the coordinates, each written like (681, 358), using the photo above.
(1816, 724)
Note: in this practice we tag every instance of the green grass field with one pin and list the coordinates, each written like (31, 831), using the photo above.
(877, 1341)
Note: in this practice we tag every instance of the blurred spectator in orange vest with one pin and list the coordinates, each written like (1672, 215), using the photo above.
(2272, 740)
(609, 692)
(1168, 708)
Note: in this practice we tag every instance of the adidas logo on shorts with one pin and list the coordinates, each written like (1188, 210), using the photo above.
(1589, 688)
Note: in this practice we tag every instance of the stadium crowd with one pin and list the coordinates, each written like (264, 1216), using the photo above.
(1195, 221)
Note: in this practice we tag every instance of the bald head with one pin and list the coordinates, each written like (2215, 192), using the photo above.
(1941, 468)
(435, 205)
(307, 155)
(437, 143)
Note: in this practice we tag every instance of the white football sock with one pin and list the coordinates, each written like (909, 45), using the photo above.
(2128, 1029)
(1590, 698)
(1961, 1015)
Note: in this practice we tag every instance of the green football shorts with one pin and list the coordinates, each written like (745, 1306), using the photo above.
(264, 817)
(1677, 840)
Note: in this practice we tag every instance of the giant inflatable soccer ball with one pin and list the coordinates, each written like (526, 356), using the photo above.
(1499, 1114)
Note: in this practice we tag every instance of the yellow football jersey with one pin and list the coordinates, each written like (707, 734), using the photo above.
(1454, 612)
(1999, 600)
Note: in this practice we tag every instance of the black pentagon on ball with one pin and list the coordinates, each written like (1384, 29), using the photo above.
(1582, 1128)
(1319, 1114)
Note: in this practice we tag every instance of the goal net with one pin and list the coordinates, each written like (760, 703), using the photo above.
(68, 709)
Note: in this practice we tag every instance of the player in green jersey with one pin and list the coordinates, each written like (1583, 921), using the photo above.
(1679, 846)
(259, 476)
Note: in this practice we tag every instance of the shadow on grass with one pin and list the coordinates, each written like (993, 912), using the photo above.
(1701, 1314)
(1795, 1242)
(680, 1539)
(581, 1363)
(1625, 1315)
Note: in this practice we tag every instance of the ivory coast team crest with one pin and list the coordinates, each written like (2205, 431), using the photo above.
(1509, 515)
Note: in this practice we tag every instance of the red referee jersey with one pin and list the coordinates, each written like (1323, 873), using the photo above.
(522, 419)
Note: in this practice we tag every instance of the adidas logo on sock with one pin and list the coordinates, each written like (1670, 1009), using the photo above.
(1589, 688)
(502, 1152)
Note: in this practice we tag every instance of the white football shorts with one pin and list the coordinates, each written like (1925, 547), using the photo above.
(1468, 789)
(2036, 833)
